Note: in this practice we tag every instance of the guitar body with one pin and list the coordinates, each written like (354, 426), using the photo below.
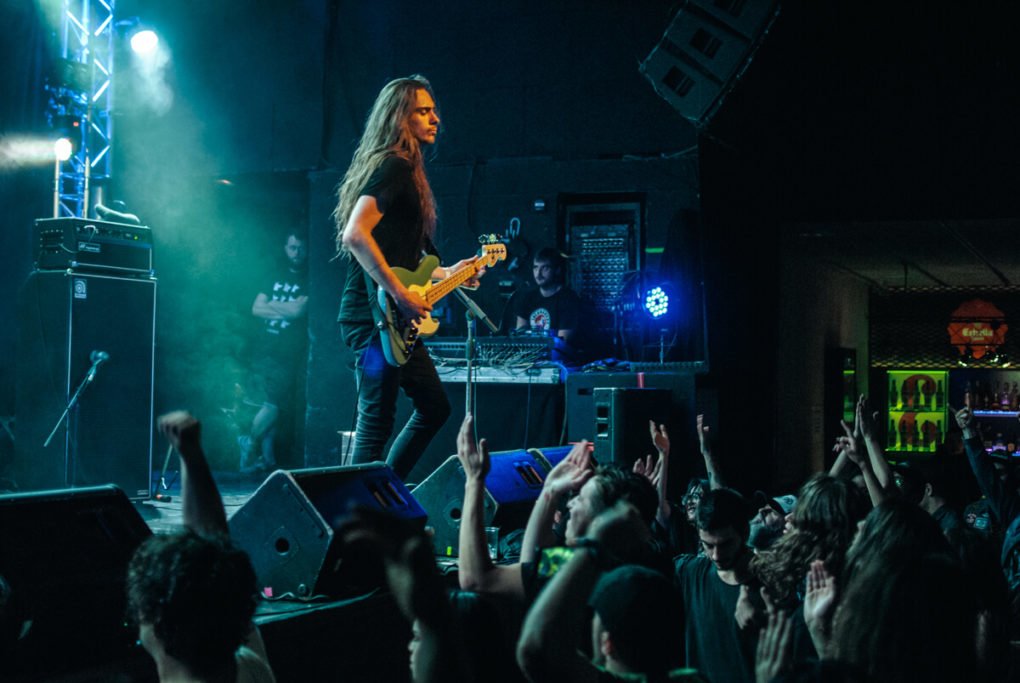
(400, 336)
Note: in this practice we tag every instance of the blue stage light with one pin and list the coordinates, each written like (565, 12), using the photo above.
(656, 302)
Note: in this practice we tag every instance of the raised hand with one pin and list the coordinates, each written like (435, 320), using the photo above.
(645, 467)
(965, 418)
(660, 438)
(774, 648)
(819, 601)
(820, 597)
(474, 458)
(849, 444)
(704, 435)
(865, 420)
(182, 430)
(570, 473)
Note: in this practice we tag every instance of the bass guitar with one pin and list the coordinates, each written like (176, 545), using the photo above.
(399, 334)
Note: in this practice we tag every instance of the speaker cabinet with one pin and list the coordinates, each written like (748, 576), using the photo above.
(514, 482)
(621, 422)
(63, 563)
(289, 525)
(64, 316)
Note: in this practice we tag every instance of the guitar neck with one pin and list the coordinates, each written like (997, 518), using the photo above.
(444, 287)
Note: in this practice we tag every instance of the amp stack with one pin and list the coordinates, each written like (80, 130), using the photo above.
(87, 310)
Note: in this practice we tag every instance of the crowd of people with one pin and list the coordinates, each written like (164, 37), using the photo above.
(866, 573)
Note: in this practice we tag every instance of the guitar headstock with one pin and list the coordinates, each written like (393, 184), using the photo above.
(493, 249)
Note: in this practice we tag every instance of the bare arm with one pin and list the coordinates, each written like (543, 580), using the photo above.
(864, 428)
(200, 499)
(545, 649)
(358, 239)
(851, 447)
(715, 480)
(262, 307)
(476, 572)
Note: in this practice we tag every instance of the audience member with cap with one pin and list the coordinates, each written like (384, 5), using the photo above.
(769, 522)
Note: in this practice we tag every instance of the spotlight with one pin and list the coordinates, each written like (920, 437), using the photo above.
(63, 149)
(656, 302)
(144, 42)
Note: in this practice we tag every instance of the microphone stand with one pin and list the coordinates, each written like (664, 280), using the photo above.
(71, 456)
(473, 313)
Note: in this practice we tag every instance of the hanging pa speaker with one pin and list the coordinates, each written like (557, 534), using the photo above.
(707, 47)
(515, 479)
(289, 527)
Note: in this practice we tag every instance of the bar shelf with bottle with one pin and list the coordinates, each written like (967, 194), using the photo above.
(917, 410)
(994, 398)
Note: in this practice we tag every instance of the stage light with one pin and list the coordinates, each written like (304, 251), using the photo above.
(144, 42)
(656, 302)
(63, 149)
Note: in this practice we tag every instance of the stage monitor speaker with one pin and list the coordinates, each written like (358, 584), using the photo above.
(551, 456)
(289, 525)
(515, 479)
(63, 563)
(705, 50)
(621, 422)
(63, 317)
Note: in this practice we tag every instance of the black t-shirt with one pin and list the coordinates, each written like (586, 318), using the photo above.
(715, 644)
(400, 233)
(282, 338)
(561, 311)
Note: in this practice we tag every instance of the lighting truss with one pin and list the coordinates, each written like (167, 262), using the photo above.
(83, 91)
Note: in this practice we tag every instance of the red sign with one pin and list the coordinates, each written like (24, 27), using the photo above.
(976, 328)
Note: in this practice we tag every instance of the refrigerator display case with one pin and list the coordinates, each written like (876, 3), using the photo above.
(917, 415)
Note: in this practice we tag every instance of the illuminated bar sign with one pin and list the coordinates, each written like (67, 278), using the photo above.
(976, 328)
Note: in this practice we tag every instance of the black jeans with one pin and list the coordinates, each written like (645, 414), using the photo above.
(377, 401)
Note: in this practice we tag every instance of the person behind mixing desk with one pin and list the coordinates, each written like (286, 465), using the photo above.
(551, 307)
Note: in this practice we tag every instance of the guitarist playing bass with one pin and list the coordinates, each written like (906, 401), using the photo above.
(386, 218)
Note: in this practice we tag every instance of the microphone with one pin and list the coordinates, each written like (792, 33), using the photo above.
(97, 358)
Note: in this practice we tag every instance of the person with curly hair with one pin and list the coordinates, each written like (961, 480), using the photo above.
(193, 594)
(823, 526)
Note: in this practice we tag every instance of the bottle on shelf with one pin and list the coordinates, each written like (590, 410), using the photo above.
(893, 393)
(968, 395)
(925, 435)
(916, 401)
(938, 434)
(903, 435)
(892, 433)
(1014, 398)
(940, 399)
(915, 437)
(1004, 397)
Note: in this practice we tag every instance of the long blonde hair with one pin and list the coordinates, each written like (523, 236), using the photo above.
(387, 133)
